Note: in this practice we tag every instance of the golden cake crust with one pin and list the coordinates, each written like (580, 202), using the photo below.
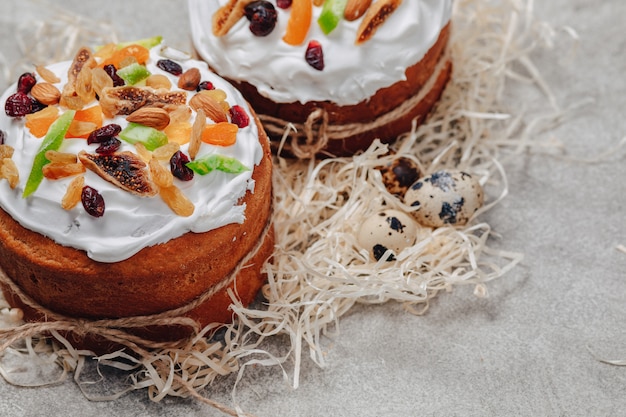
(156, 279)
(426, 78)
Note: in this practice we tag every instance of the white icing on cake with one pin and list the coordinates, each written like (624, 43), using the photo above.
(352, 73)
(130, 223)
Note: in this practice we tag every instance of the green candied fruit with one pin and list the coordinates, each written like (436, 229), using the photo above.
(209, 163)
(332, 12)
(133, 73)
(147, 43)
(149, 136)
(51, 142)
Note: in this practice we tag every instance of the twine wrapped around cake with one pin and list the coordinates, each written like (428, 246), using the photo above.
(112, 329)
(309, 139)
(318, 274)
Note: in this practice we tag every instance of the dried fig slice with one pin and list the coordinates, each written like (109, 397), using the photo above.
(126, 99)
(375, 16)
(227, 15)
(83, 57)
(123, 169)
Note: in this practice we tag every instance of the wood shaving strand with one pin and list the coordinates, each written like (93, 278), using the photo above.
(318, 272)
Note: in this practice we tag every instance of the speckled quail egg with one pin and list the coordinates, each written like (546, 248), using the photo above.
(399, 175)
(445, 197)
(388, 229)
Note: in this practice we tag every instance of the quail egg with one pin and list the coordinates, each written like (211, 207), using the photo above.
(399, 175)
(445, 197)
(388, 229)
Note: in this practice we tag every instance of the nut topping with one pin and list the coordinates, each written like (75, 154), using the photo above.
(212, 108)
(189, 79)
(155, 117)
(355, 9)
(46, 93)
(376, 15)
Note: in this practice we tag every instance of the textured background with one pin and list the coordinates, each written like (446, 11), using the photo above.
(528, 348)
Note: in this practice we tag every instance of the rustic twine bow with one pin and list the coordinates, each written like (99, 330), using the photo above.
(308, 139)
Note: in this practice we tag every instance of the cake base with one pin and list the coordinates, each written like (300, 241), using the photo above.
(325, 129)
(158, 284)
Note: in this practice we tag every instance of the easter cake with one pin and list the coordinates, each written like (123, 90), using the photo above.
(134, 182)
(329, 78)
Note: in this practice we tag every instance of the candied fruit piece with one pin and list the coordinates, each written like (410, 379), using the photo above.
(331, 14)
(112, 73)
(299, 22)
(283, 4)
(170, 66)
(179, 132)
(314, 55)
(140, 53)
(104, 133)
(262, 16)
(221, 134)
(239, 116)
(133, 73)
(18, 105)
(178, 165)
(205, 85)
(85, 121)
(56, 170)
(52, 141)
(73, 193)
(109, 146)
(26, 82)
(177, 201)
(92, 201)
(39, 123)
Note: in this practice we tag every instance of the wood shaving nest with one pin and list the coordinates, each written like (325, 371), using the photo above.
(318, 271)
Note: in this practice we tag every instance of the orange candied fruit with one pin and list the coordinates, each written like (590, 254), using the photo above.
(179, 132)
(85, 121)
(140, 53)
(299, 22)
(38, 123)
(221, 134)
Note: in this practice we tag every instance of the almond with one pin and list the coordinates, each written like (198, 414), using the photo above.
(355, 9)
(227, 15)
(212, 108)
(189, 79)
(46, 93)
(376, 15)
(155, 117)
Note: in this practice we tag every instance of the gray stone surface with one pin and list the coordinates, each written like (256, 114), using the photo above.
(526, 350)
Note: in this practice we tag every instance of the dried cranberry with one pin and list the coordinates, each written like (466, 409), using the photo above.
(112, 72)
(26, 82)
(108, 146)
(2, 137)
(179, 168)
(283, 4)
(170, 66)
(18, 105)
(92, 201)
(36, 105)
(262, 16)
(205, 85)
(104, 133)
(239, 116)
(314, 55)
